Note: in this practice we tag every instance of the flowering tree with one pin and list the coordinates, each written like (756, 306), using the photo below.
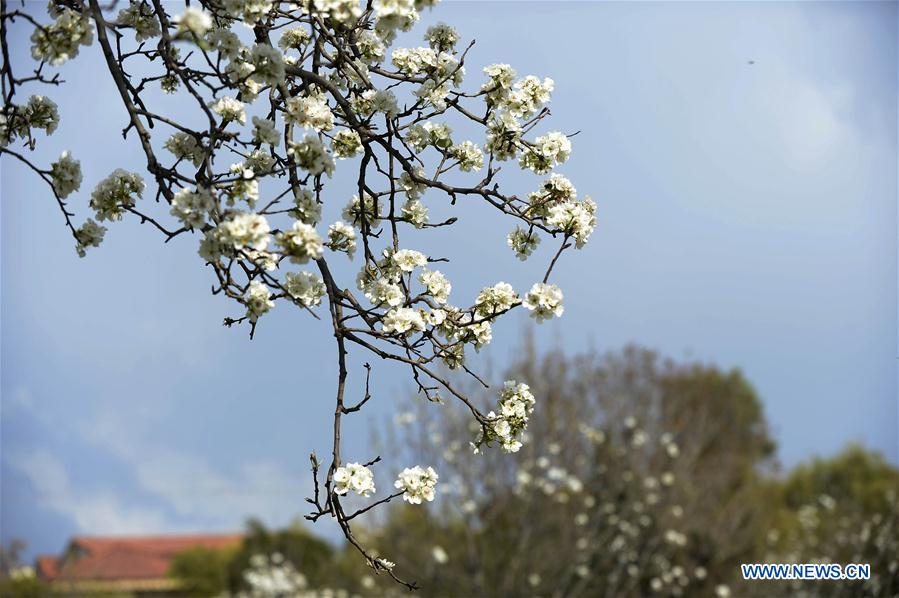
(276, 105)
(615, 493)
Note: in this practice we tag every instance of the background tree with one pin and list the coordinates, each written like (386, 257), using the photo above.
(615, 492)
(17, 579)
(844, 509)
(246, 160)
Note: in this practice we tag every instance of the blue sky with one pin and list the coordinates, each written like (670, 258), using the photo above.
(747, 218)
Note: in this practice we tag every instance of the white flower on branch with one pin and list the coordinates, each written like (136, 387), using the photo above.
(116, 193)
(346, 143)
(523, 242)
(225, 42)
(185, 146)
(354, 477)
(141, 17)
(547, 151)
(306, 287)
(60, 41)
(417, 484)
(408, 259)
(403, 320)
(342, 237)
(89, 235)
(495, 299)
(437, 284)
(264, 132)
(66, 175)
(544, 301)
(311, 155)
(193, 23)
(245, 229)
(230, 109)
(311, 112)
(300, 243)
(192, 207)
(258, 300)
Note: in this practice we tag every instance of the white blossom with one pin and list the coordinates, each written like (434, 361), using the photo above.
(516, 403)
(500, 78)
(66, 175)
(311, 155)
(469, 155)
(191, 207)
(503, 136)
(346, 143)
(342, 237)
(301, 243)
(115, 193)
(441, 37)
(193, 21)
(245, 187)
(574, 218)
(245, 229)
(140, 17)
(273, 576)
(59, 41)
(41, 113)
(225, 42)
(408, 259)
(306, 209)
(305, 287)
(383, 292)
(311, 112)
(498, 298)
(89, 235)
(437, 284)
(403, 320)
(344, 11)
(388, 565)
(523, 242)
(417, 484)
(251, 11)
(355, 477)
(367, 211)
(264, 131)
(230, 109)
(546, 151)
(185, 146)
(258, 300)
(544, 301)
(416, 212)
(439, 555)
(529, 95)
(294, 38)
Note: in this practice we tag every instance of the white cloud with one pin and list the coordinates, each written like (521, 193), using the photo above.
(195, 490)
(91, 512)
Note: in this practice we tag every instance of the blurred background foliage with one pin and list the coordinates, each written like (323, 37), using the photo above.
(640, 476)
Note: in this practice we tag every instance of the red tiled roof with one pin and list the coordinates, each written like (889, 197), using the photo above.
(118, 558)
(47, 566)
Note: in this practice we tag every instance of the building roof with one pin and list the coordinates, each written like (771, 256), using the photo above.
(124, 558)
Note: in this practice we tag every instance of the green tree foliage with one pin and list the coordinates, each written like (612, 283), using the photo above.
(202, 571)
(844, 509)
(210, 572)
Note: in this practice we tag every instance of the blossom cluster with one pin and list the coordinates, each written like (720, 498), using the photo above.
(417, 484)
(355, 477)
(317, 85)
(516, 403)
